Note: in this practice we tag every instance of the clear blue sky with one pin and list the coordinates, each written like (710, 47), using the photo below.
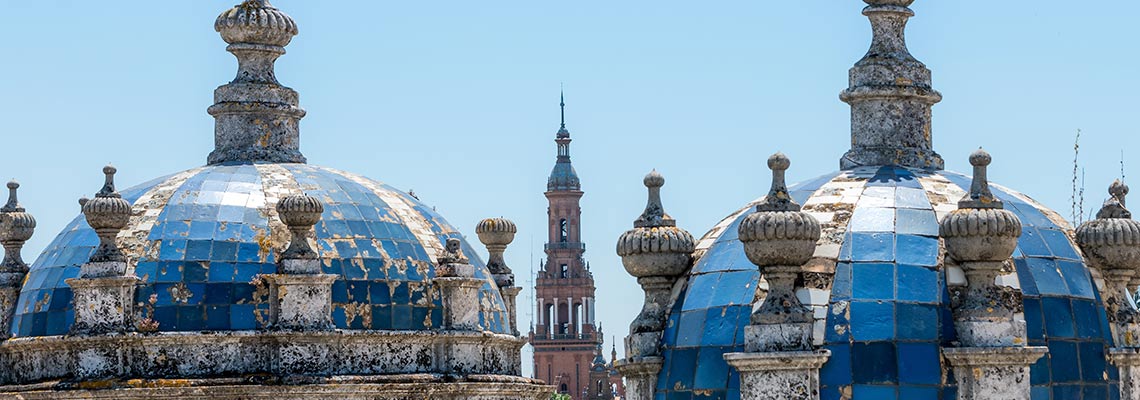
(458, 100)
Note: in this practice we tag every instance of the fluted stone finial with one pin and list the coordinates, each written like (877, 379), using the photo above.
(656, 252)
(1112, 244)
(779, 239)
(256, 119)
(890, 95)
(16, 227)
(496, 234)
(300, 213)
(107, 214)
(981, 236)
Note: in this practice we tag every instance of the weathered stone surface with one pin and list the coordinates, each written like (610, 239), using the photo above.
(16, 227)
(890, 95)
(256, 119)
(1127, 360)
(103, 305)
(640, 376)
(300, 302)
(1112, 244)
(656, 252)
(107, 214)
(993, 372)
(790, 375)
(280, 353)
(299, 213)
(398, 387)
(779, 239)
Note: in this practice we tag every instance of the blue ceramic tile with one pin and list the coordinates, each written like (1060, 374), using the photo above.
(712, 370)
(691, 328)
(874, 392)
(916, 283)
(916, 250)
(1046, 275)
(872, 320)
(1063, 359)
(875, 281)
(873, 246)
(917, 322)
(872, 220)
(916, 222)
(1077, 278)
(1060, 317)
(837, 370)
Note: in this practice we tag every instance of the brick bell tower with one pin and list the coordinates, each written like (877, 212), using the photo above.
(565, 337)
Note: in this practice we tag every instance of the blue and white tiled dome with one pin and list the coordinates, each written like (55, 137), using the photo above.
(887, 314)
(198, 238)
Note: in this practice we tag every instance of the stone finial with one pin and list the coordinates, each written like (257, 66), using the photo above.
(256, 119)
(780, 239)
(981, 236)
(300, 213)
(16, 227)
(1112, 244)
(778, 198)
(654, 214)
(657, 252)
(496, 234)
(452, 253)
(890, 95)
(107, 214)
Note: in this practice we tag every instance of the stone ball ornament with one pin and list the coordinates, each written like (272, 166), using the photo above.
(300, 211)
(655, 246)
(496, 231)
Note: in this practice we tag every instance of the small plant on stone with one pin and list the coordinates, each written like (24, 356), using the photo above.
(147, 324)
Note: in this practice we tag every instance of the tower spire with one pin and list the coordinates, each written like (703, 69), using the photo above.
(563, 133)
(890, 95)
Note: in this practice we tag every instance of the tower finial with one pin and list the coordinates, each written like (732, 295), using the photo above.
(654, 214)
(890, 95)
(778, 198)
(563, 133)
(980, 195)
(256, 118)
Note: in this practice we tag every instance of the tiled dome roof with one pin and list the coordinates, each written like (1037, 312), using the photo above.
(887, 314)
(198, 238)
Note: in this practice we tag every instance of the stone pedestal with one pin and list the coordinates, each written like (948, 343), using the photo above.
(986, 373)
(10, 283)
(789, 375)
(459, 293)
(645, 344)
(300, 302)
(1128, 361)
(103, 305)
(640, 375)
(778, 337)
(510, 295)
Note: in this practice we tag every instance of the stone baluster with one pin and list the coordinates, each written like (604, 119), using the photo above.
(496, 234)
(657, 253)
(300, 296)
(104, 292)
(1112, 244)
(993, 360)
(779, 361)
(16, 227)
(459, 289)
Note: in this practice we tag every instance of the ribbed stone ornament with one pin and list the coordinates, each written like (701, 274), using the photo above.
(256, 22)
(107, 214)
(656, 252)
(300, 213)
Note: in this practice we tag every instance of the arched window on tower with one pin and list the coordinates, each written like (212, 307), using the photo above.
(565, 271)
(564, 231)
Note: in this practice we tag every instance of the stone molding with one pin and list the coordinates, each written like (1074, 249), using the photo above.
(186, 355)
(640, 374)
(777, 360)
(393, 387)
(993, 356)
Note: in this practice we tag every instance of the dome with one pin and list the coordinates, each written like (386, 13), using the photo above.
(563, 177)
(887, 313)
(199, 237)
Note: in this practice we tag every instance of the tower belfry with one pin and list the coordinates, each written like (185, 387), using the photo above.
(565, 336)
